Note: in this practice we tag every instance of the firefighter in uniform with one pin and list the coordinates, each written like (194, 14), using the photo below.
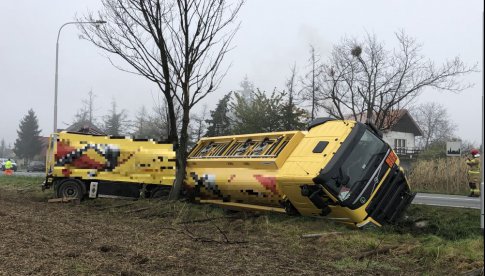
(474, 172)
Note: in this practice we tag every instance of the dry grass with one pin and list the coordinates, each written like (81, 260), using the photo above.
(110, 237)
(447, 176)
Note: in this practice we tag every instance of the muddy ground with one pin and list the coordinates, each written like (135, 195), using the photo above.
(110, 237)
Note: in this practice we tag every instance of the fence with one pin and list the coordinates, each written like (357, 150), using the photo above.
(407, 151)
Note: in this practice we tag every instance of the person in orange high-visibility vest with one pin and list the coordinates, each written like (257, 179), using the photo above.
(8, 167)
(474, 172)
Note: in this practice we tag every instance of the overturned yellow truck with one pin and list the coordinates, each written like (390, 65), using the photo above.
(341, 170)
(81, 165)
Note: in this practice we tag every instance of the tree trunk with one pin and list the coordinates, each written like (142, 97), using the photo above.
(370, 114)
(172, 121)
(181, 156)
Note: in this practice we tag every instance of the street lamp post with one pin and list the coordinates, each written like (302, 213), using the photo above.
(57, 62)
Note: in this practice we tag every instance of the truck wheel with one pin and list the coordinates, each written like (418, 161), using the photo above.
(290, 209)
(160, 193)
(70, 189)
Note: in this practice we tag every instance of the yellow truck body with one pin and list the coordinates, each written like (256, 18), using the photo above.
(112, 166)
(340, 170)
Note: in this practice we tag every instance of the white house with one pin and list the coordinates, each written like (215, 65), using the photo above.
(402, 132)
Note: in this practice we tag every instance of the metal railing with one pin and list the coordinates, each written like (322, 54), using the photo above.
(407, 151)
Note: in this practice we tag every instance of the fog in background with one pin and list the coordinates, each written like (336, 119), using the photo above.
(274, 35)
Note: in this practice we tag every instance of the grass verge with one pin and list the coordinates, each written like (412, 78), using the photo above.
(183, 238)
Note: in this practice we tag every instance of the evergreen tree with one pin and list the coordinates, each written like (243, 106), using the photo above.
(267, 113)
(115, 123)
(247, 89)
(293, 117)
(219, 123)
(262, 114)
(28, 143)
(81, 116)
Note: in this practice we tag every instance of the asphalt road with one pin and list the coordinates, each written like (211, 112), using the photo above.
(447, 200)
(32, 174)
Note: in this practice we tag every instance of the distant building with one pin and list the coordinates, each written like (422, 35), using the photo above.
(86, 128)
(400, 132)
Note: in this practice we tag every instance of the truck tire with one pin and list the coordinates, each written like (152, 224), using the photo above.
(71, 188)
(290, 209)
(160, 193)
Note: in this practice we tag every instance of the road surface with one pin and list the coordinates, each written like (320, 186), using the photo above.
(447, 200)
(32, 174)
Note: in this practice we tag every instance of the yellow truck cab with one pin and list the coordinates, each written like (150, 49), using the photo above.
(80, 165)
(338, 169)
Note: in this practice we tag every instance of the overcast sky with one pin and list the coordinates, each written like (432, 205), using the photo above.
(274, 34)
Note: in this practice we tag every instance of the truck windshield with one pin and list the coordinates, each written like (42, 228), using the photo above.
(360, 164)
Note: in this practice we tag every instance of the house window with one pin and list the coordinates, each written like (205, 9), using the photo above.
(400, 146)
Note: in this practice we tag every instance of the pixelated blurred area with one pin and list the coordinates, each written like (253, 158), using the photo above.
(114, 158)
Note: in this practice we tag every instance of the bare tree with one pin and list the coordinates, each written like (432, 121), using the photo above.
(3, 148)
(141, 123)
(200, 127)
(199, 46)
(291, 85)
(434, 122)
(85, 114)
(363, 80)
(177, 44)
(293, 116)
(135, 33)
(89, 106)
(161, 116)
(151, 124)
(311, 83)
